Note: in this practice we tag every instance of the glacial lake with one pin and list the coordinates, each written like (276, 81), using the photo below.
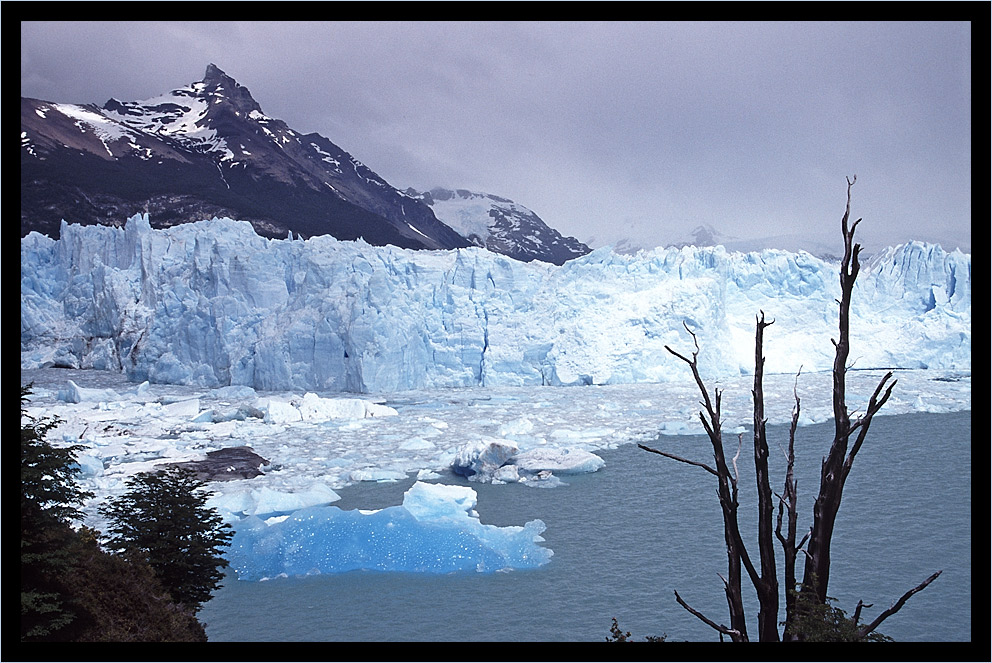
(628, 536)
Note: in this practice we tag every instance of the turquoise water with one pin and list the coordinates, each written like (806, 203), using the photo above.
(626, 537)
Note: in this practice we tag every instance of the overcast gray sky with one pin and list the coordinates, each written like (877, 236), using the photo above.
(606, 130)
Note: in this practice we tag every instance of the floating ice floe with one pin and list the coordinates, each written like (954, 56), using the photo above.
(315, 409)
(73, 393)
(435, 530)
(244, 501)
(555, 431)
(501, 461)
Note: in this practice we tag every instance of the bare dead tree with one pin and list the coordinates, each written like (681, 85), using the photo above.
(834, 471)
(767, 585)
(787, 501)
(727, 493)
(837, 464)
(868, 628)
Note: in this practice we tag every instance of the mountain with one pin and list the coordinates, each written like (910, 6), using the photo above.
(824, 243)
(213, 304)
(500, 225)
(202, 151)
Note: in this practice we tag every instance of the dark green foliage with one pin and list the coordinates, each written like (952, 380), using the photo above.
(45, 558)
(823, 622)
(616, 635)
(70, 589)
(163, 521)
(49, 493)
(94, 596)
(50, 498)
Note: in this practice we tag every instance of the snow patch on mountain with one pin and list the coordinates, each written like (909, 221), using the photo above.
(500, 225)
(204, 150)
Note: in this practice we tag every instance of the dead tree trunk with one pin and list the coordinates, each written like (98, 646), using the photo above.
(767, 585)
(727, 493)
(833, 474)
(837, 464)
(787, 504)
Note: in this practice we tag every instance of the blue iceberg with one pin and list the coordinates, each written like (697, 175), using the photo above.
(435, 530)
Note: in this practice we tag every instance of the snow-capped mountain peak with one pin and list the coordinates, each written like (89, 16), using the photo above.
(200, 151)
(500, 225)
(208, 150)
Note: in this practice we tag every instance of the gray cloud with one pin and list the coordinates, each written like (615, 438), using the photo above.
(604, 129)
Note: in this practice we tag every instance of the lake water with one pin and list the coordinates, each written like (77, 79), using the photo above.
(626, 537)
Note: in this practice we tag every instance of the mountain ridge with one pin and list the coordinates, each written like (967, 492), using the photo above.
(500, 225)
(200, 151)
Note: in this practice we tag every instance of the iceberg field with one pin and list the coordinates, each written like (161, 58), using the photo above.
(548, 433)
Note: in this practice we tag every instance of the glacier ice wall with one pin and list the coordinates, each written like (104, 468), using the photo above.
(213, 304)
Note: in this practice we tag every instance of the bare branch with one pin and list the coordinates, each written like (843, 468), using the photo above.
(847, 212)
(734, 634)
(897, 605)
(680, 459)
(695, 340)
(740, 443)
(782, 449)
(857, 611)
(874, 405)
(688, 361)
(706, 425)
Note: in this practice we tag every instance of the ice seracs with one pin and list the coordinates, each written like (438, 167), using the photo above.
(213, 304)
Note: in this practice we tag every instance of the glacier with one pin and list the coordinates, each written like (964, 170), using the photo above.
(212, 304)
(161, 346)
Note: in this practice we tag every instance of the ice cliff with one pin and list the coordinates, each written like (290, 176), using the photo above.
(214, 304)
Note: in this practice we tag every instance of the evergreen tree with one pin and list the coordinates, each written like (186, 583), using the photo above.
(50, 499)
(49, 492)
(71, 590)
(163, 521)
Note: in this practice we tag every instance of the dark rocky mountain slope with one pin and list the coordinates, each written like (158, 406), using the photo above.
(201, 151)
